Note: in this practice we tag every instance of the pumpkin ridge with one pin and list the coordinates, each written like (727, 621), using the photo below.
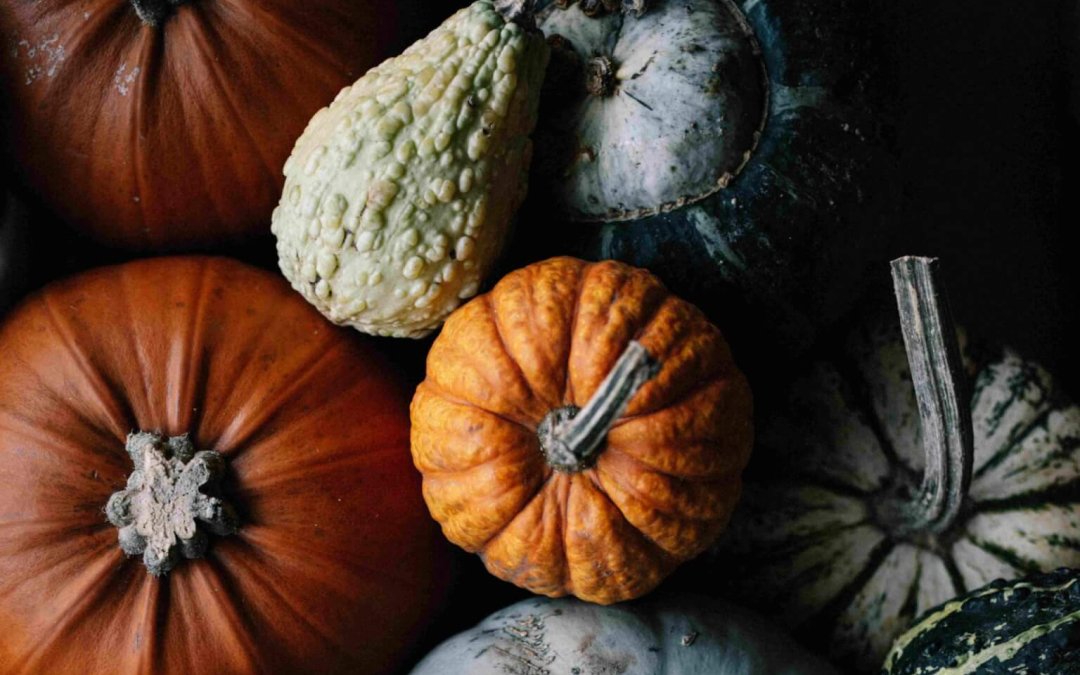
(212, 65)
(482, 548)
(493, 316)
(441, 392)
(97, 584)
(665, 406)
(668, 558)
(236, 441)
(569, 398)
(259, 576)
(149, 60)
(194, 357)
(468, 356)
(617, 449)
(646, 499)
(108, 401)
(154, 611)
(137, 348)
(229, 602)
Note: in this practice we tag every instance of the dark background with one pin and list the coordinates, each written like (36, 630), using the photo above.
(990, 156)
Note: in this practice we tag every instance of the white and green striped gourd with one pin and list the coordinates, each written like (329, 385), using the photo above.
(856, 518)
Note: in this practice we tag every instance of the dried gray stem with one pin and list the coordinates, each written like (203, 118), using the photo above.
(570, 437)
(158, 510)
(944, 410)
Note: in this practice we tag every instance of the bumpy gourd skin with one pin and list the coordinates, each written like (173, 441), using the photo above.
(399, 194)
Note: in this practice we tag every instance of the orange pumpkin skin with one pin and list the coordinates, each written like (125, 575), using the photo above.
(336, 567)
(173, 137)
(667, 477)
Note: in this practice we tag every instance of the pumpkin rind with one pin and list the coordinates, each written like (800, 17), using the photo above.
(682, 634)
(662, 487)
(810, 544)
(172, 137)
(1028, 625)
(313, 426)
(399, 195)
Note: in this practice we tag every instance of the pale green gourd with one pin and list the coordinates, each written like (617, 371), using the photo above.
(398, 196)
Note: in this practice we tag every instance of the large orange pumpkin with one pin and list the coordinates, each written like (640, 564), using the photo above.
(335, 567)
(581, 429)
(173, 135)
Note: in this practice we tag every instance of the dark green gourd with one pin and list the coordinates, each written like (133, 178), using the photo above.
(1029, 626)
(733, 148)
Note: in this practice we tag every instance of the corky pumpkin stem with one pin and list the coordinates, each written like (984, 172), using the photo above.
(944, 411)
(157, 511)
(154, 12)
(570, 436)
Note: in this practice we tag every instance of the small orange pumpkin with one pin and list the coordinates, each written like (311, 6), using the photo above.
(582, 429)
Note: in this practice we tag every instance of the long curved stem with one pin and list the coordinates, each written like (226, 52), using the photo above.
(941, 393)
(570, 438)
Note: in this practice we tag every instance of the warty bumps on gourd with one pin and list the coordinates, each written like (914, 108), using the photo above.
(398, 196)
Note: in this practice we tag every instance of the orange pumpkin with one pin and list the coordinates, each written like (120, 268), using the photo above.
(581, 429)
(335, 565)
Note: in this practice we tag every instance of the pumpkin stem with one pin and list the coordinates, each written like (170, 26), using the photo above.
(938, 377)
(571, 437)
(154, 12)
(600, 76)
(157, 512)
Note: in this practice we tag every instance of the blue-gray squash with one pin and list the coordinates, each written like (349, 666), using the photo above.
(687, 635)
(830, 536)
(728, 146)
(1029, 626)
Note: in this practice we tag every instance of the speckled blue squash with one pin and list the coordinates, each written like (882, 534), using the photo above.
(1030, 626)
(802, 189)
(683, 634)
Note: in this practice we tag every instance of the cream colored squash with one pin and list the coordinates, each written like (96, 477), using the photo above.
(398, 196)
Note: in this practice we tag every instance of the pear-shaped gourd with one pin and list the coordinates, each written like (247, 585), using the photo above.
(398, 196)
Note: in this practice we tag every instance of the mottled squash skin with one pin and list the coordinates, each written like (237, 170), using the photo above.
(680, 634)
(1029, 625)
(667, 474)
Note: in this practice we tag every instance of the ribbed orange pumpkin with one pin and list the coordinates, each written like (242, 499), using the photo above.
(335, 568)
(565, 479)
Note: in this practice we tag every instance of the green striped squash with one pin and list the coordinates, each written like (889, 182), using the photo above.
(811, 542)
(1025, 627)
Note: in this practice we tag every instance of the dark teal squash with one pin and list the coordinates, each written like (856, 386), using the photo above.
(790, 228)
(1027, 626)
